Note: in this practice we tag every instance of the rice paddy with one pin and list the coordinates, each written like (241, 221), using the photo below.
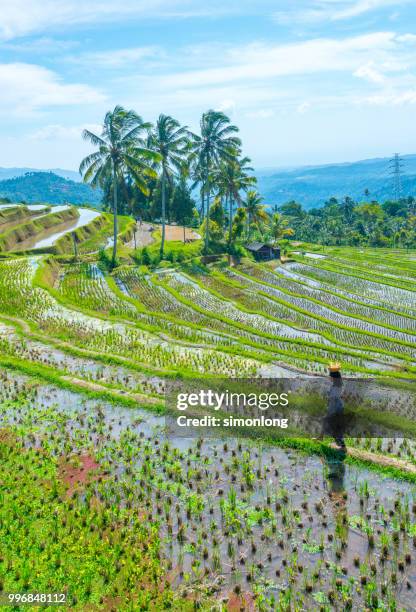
(101, 501)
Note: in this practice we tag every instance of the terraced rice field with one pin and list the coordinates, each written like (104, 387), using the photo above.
(145, 519)
(51, 229)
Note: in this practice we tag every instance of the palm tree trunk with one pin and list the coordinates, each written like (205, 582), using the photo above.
(206, 190)
(230, 221)
(74, 238)
(202, 203)
(162, 246)
(207, 225)
(115, 224)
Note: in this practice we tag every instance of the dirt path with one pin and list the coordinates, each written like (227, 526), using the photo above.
(383, 460)
(93, 386)
(144, 235)
(19, 322)
(175, 232)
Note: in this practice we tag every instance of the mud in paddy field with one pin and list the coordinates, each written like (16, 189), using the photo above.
(237, 521)
(99, 496)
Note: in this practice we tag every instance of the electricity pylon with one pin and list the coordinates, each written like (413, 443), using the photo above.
(396, 166)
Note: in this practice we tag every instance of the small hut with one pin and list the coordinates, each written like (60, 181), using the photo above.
(263, 251)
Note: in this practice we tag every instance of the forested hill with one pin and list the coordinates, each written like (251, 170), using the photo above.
(311, 186)
(48, 187)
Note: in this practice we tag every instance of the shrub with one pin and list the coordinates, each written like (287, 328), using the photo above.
(106, 261)
(145, 258)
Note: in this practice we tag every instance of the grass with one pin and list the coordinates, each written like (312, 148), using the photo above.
(292, 342)
(161, 513)
(11, 238)
(16, 214)
(175, 251)
(70, 550)
(85, 345)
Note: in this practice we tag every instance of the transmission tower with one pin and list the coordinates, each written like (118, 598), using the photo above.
(396, 166)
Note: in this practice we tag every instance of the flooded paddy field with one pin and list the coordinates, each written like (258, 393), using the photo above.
(236, 520)
(105, 498)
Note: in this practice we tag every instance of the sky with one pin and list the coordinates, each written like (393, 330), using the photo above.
(306, 81)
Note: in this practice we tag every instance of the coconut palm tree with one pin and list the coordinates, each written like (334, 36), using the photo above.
(256, 212)
(198, 175)
(232, 177)
(216, 143)
(121, 151)
(279, 227)
(172, 143)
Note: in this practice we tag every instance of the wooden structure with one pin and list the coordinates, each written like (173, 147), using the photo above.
(263, 251)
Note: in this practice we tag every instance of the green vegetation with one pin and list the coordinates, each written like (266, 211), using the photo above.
(16, 214)
(139, 522)
(347, 222)
(87, 547)
(35, 187)
(88, 237)
(121, 150)
(102, 498)
(113, 516)
(170, 141)
(175, 252)
(11, 238)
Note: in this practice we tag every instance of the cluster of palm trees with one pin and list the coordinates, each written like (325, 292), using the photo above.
(130, 149)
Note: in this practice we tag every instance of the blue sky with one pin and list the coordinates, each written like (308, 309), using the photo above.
(307, 81)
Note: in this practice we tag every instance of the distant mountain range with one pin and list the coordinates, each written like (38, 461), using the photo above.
(309, 185)
(9, 173)
(48, 187)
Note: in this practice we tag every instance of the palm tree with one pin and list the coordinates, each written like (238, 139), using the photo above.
(232, 177)
(121, 151)
(172, 144)
(198, 176)
(255, 209)
(279, 228)
(217, 143)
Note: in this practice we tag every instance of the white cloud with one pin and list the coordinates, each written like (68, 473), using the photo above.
(227, 105)
(261, 62)
(258, 81)
(62, 132)
(332, 10)
(411, 38)
(370, 73)
(263, 113)
(22, 17)
(42, 44)
(354, 9)
(28, 87)
(392, 98)
(303, 107)
(117, 57)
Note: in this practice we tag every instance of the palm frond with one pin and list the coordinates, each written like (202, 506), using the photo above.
(94, 139)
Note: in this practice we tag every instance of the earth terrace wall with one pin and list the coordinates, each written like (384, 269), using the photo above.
(86, 232)
(15, 235)
(18, 213)
(65, 244)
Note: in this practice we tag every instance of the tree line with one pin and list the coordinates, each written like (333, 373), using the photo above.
(351, 223)
(152, 171)
(157, 172)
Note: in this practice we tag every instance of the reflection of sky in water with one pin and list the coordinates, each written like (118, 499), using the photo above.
(85, 216)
